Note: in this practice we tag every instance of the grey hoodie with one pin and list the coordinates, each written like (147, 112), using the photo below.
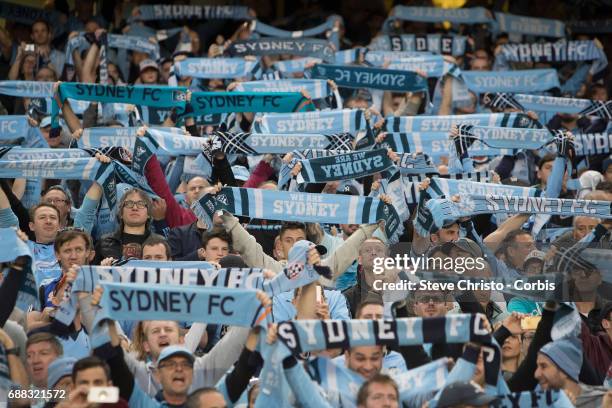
(590, 396)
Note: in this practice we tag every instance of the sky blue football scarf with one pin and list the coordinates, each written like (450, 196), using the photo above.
(11, 248)
(560, 51)
(324, 28)
(544, 27)
(215, 68)
(252, 144)
(423, 379)
(375, 78)
(19, 154)
(444, 211)
(339, 382)
(344, 166)
(228, 102)
(133, 301)
(27, 89)
(464, 188)
(432, 65)
(127, 42)
(13, 127)
(170, 139)
(295, 65)
(507, 138)
(322, 122)
(436, 43)
(442, 124)
(553, 104)
(316, 88)
(284, 174)
(434, 145)
(156, 12)
(306, 47)
(587, 144)
(300, 207)
(177, 273)
(26, 15)
(467, 15)
(528, 80)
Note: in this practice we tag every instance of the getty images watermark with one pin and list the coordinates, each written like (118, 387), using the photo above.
(446, 274)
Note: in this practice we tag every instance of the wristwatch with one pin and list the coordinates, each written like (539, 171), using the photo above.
(14, 351)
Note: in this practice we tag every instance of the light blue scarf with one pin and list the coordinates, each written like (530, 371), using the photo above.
(441, 125)
(544, 27)
(13, 127)
(299, 207)
(587, 144)
(306, 47)
(375, 78)
(156, 12)
(431, 65)
(11, 248)
(472, 15)
(536, 399)
(316, 88)
(215, 68)
(253, 144)
(227, 102)
(321, 122)
(126, 42)
(436, 43)
(529, 80)
(295, 65)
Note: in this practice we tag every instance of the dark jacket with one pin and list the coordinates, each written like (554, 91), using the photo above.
(185, 241)
(110, 245)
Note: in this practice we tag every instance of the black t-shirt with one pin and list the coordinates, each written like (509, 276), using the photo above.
(131, 245)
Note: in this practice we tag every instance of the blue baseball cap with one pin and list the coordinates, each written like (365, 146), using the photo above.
(175, 350)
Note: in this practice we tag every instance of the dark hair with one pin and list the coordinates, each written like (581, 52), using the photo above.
(58, 187)
(90, 362)
(157, 240)
(604, 186)
(193, 400)
(216, 232)
(362, 395)
(371, 299)
(70, 234)
(143, 196)
(41, 205)
(42, 21)
(41, 337)
(548, 157)
(291, 225)
(510, 238)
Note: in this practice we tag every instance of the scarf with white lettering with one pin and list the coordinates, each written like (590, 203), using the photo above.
(434, 145)
(301, 336)
(227, 102)
(560, 51)
(215, 68)
(126, 42)
(156, 96)
(27, 15)
(316, 88)
(326, 122)
(253, 144)
(13, 127)
(344, 166)
(374, 78)
(65, 169)
(441, 125)
(305, 47)
(553, 104)
(437, 212)
(435, 43)
(156, 12)
(299, 207)
(431, 65)
(295, 65)
(409, 183)
(27, 89)
(507, 138)
(528, 80)
(133, 301)
(466, 15)
(587, 144)
(197, 273)
(284, 174)
(125, 137)
(324, 28)
(12, 247)
(544, 27)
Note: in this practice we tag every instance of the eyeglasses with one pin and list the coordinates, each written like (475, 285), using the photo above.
(138, 204)
(173, 365)
(56, 201)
